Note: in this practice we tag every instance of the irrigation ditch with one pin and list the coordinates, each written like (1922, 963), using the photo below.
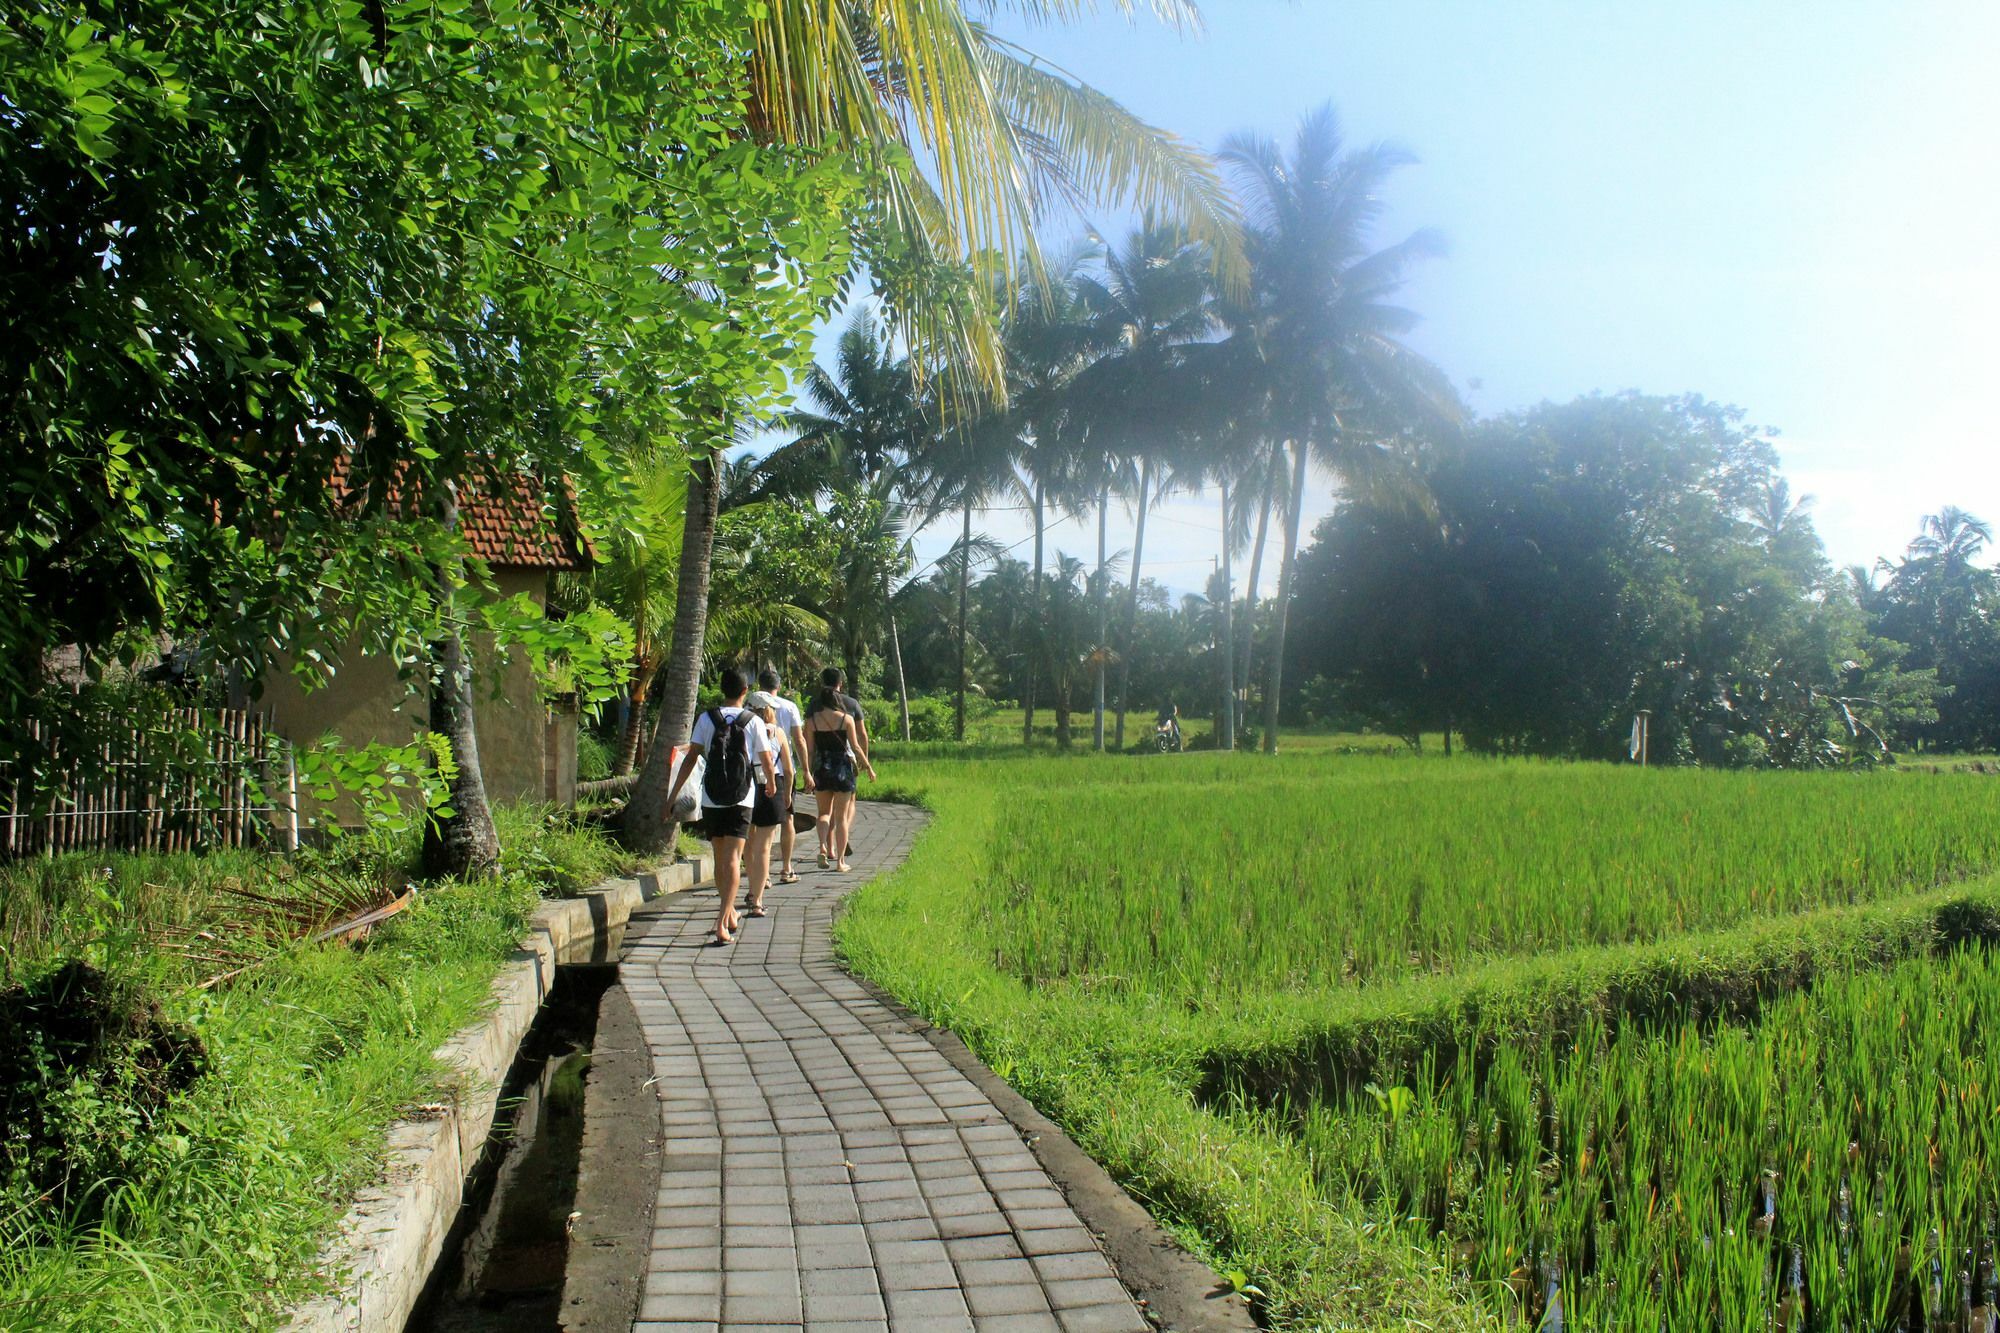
(474, 1223)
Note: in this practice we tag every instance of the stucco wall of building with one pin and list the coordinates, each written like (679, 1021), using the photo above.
(366, 704)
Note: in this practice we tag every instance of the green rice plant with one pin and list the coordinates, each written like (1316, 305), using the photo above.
(1840, 1155)
(1186, 959)
(1322, 870)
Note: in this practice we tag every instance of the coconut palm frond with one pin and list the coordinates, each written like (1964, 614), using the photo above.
(898, 79)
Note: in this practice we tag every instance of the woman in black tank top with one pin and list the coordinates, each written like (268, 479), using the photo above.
(834, 749)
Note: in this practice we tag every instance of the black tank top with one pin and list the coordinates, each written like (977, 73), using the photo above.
(838, 733)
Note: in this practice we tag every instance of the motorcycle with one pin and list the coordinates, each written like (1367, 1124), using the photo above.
(1167, 736)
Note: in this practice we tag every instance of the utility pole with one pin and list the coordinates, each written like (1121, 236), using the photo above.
(1226, 720)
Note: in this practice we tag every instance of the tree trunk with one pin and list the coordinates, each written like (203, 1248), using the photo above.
(1036, 631)
(964, 588)
(646, 826)
(1243, 675)
(1225, 722)
(1132, 602)
(1275, 677)
(636, 695)
(1103, 618)
(465, 845)
(896, 654)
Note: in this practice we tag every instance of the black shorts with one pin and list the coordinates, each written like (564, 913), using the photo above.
(834, 773)
(770, 811)
(725, 821)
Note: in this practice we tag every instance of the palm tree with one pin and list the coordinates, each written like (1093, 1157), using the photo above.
(1145, 300)
(1336, 384)
(964, 468)
(635, 577)
(895, 83)
(1951, 537)
(1777, 514)
(1003, 132)
(861, 418)
(1049, 341)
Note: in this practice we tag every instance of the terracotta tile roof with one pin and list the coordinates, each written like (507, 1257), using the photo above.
(506, 520)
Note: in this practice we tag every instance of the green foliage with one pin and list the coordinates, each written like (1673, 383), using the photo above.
(587, 653)
(442, 239)
(1947, 610)
(1582, 561)
(87, 1067)
(386, 792)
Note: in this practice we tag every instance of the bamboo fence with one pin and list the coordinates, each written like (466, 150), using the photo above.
(192, 777)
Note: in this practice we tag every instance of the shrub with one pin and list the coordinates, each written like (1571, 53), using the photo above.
(930, 718)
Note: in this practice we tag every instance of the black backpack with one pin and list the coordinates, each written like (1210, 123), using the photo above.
(725, 775)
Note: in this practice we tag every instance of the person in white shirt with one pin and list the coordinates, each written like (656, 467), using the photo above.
(791, 727)
(735, 743)
(770, 810)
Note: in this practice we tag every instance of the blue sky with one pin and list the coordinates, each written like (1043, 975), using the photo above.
(1792, 208)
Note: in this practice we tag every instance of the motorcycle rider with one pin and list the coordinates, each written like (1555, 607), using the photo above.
(1170, 722)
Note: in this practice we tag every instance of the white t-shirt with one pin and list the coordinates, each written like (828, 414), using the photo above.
(789, 720)
(760, 743)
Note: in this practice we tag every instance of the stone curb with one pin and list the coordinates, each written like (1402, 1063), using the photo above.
(394, 1233)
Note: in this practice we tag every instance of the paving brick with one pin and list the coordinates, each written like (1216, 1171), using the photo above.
(1118, 1317)
(925, 1305)
(1018, 1298)
(1074, 1293)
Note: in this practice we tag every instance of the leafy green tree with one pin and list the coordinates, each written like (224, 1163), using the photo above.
(1578, 562)
(245, 244)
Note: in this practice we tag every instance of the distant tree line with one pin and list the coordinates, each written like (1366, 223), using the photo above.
(1564, 567)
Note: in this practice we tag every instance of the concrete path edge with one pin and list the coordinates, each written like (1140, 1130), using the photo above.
(394, 1232)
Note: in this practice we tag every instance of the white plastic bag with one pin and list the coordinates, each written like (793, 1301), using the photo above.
(687, 806)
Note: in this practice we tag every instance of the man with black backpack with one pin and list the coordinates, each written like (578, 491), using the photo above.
(733, 745)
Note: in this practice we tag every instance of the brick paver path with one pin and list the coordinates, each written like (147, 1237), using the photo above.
(824, 1166)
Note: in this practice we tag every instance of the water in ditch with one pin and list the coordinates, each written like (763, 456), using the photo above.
(503, 1264)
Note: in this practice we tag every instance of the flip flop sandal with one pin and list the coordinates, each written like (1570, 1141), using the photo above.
(758, 911)
(789, 877)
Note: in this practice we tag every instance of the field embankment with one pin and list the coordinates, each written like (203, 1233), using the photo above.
(1399, 1040)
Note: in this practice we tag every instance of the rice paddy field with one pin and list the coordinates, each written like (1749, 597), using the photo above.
(1464, 1043)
